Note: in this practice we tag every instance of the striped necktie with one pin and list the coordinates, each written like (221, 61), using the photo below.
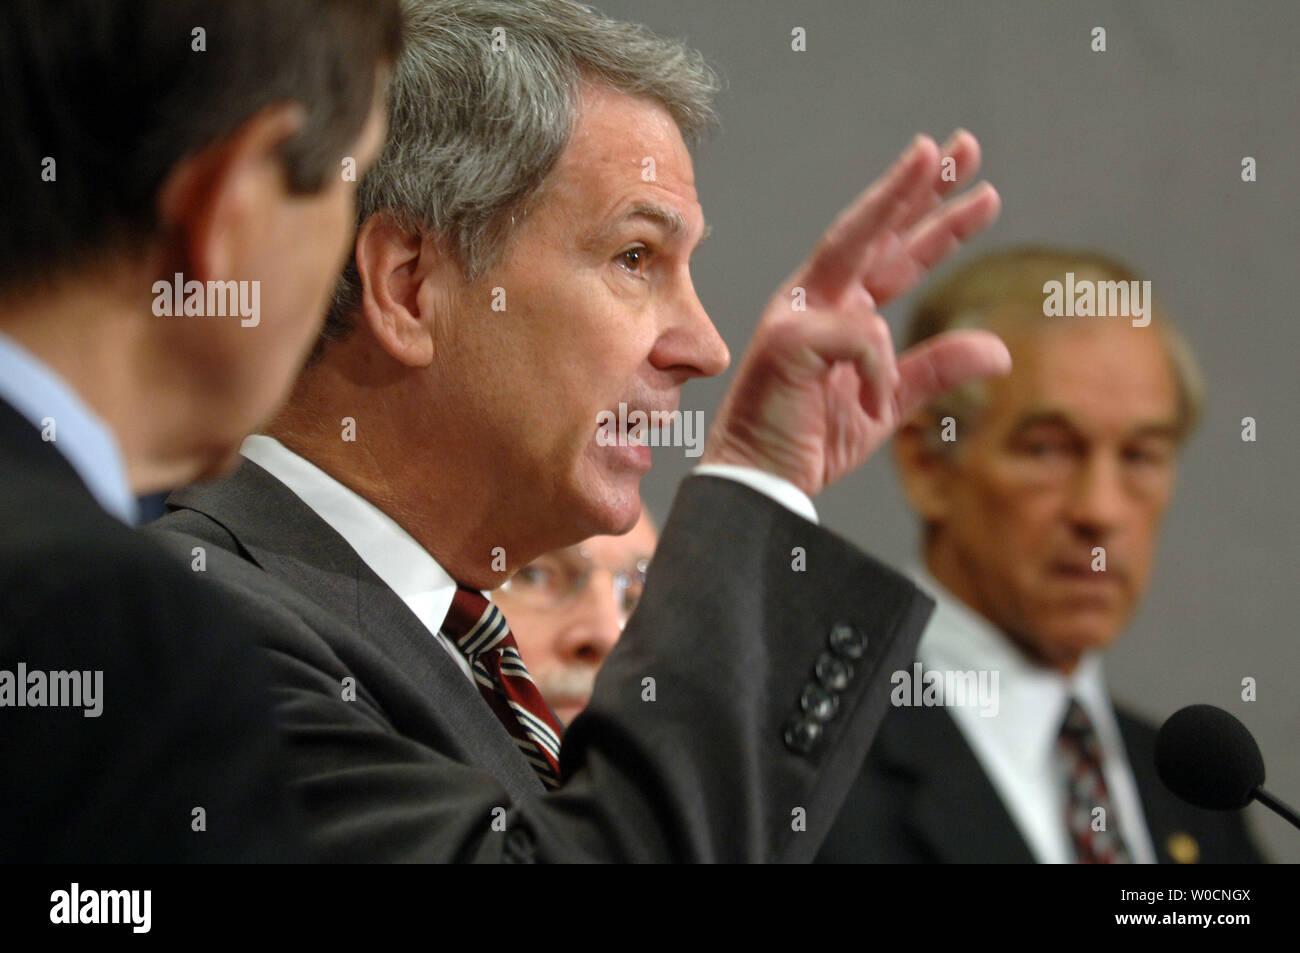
(479, 630)
(1079, 754)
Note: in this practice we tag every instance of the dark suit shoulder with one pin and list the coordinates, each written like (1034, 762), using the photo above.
(186, 522)
(169, 717)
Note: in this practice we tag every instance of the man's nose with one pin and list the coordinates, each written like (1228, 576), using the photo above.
(597, 622)
(689, 341)
(1097, 497)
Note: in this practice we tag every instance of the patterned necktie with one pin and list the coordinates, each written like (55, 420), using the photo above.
(479, 630)
(1079, 754)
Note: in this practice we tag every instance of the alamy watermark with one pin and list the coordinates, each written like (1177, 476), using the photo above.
(211, 299)
(1100, 299)
(129, 907)
(655, 428)
(58, 689)
(932, 688)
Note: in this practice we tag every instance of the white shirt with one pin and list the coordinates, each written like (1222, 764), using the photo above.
(1016, 746)
(390, 551)
(397, 559)
(84, 440)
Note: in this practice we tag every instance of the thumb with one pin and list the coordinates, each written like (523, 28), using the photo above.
(945, 362)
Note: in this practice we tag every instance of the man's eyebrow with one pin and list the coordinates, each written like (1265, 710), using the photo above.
(669, 219)
(1057, 418)
(1043, 418)
(1160, 430)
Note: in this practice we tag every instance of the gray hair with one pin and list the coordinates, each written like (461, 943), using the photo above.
(481, 105)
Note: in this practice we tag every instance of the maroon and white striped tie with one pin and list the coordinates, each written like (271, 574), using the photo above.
(479, 630)
(1078, 751)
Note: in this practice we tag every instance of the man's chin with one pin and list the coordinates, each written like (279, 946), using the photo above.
(617, 520)
(611, 503)
(1079, 639)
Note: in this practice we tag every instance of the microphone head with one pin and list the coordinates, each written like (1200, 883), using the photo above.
(1209, 758)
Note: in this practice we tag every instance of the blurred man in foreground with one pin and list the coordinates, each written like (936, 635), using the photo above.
(1040, 496)
(568, 608)
(173, 214)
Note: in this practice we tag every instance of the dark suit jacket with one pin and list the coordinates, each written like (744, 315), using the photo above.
(726, 638)
(184, 723)
(923, 797)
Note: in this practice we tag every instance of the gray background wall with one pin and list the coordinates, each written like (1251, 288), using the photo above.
(1137, 151)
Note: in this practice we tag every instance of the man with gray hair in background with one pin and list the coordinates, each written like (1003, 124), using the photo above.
(1040, 497)
(521, 269)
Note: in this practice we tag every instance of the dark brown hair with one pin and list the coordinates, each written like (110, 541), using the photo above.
(117, 92)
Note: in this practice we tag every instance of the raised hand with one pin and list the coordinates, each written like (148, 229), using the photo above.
(820, 389)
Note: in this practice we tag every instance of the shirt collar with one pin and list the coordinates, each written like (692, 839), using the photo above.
(390, 552)
(1032, 699)
(84, 440)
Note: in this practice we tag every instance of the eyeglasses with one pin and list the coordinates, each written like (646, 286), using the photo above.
(552, 581)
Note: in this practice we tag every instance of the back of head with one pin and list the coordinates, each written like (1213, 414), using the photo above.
(102, 98)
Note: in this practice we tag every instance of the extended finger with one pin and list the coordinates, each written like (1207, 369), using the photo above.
(824, 340)
(836, 261)
(964, 151)
(959, 160)
(932, 240)
(946, 361)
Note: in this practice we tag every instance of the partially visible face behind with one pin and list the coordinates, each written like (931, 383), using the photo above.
(1076, 450)
(297, 256)
(564, 638)
(599, 309)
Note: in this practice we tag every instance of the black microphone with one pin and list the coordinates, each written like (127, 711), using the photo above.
(1210, 759)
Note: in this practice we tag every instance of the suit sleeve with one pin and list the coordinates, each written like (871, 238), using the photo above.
(727, 725)
(769, 642)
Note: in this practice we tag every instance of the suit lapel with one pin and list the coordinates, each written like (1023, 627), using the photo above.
(1166, 815)
(281, 534)
(954, 809)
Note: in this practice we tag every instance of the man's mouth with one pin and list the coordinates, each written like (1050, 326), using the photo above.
(638, 456)
(630, 431)
(1083, 574)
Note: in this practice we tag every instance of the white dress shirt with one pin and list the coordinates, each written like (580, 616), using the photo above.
(769, 484)
(1017, 745)
(84, 440)
(390, 551)
(393, 554)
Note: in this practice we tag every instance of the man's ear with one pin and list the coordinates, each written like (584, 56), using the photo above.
(394, 264)
(925, 469)
(216, 201)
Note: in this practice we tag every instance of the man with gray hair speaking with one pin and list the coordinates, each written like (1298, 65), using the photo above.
(521, 270)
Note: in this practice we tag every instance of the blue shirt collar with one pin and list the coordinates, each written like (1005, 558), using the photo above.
(64, 419)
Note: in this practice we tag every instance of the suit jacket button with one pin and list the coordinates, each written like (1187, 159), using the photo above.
(818, 704)
(802, 735)
(834, 673)
(848, 642)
